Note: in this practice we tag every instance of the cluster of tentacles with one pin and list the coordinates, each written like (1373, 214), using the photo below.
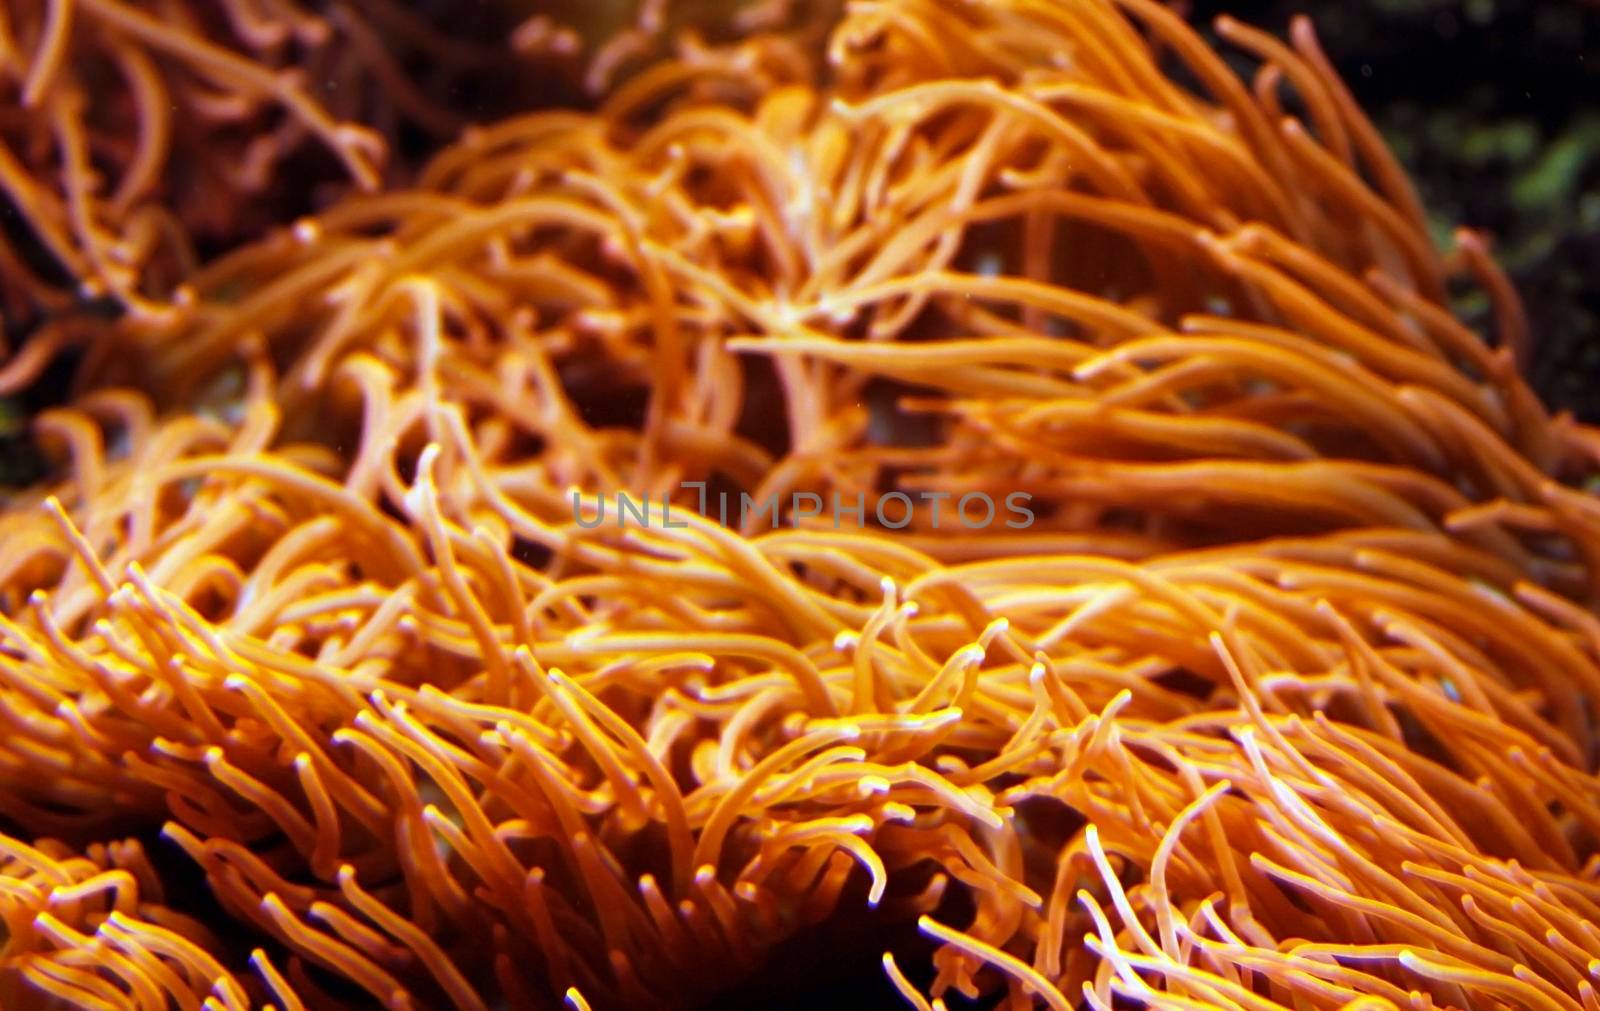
(137, 137)
(1286, 698)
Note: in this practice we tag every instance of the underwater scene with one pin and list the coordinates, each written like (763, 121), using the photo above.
(594, 505)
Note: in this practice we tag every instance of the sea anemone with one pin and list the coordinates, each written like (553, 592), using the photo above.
(1282, 695)
(139, 138)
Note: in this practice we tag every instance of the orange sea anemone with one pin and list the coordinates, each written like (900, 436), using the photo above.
(1283, 696)
(138, 137)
